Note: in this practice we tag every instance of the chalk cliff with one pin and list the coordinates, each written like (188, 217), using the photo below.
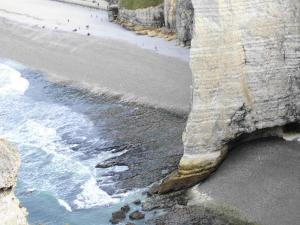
(245, 59)
(184, 22)
(170, 14)
(11, 212)
(149, 17)
(170, 17)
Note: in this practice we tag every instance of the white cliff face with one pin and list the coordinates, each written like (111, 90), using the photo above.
(245, 60)
(149, 17)
(184, 22)
(11, 212)
(170, 14)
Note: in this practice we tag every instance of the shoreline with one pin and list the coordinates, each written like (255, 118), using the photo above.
(86, 21)
(140, 76)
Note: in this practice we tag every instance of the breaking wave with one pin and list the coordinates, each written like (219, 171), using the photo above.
(11, 81)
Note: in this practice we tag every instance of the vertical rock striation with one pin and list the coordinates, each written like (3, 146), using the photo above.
(245, 59)
(184, 22)
(170, 14)
(11, 212)
(149, 17)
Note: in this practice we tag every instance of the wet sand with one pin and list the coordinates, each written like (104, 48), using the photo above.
(116, 67)
(258, 181)
(261, 180)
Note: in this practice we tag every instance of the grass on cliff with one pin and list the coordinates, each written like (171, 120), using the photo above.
(139, 4)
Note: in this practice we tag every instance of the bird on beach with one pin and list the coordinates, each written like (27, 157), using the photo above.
(88, 34)
(68, 20)
(87, 26)
(74, 30)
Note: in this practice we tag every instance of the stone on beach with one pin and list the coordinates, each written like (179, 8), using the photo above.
(137, 215)
(117, 217)
(125, 208)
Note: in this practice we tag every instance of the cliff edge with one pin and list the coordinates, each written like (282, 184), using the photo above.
(245, 61)
(11, 212)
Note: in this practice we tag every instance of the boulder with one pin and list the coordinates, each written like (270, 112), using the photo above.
(117, 217)
(137, 215)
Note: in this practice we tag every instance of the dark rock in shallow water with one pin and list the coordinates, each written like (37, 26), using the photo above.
(137, 215)
(151, 138)
(125, 208)
(117, 217)
(109, 164)
(137, 202)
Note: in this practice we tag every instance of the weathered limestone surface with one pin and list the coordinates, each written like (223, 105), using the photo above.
(184, 21)
(11, 212)
(170, 14)
(245, 59)
(151, 16)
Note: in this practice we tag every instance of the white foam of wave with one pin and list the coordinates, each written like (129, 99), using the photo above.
(118, 169)
(30, 190)
(11, 81)
(92, 196)
(37, 128)
(34, 134)
(64, 204)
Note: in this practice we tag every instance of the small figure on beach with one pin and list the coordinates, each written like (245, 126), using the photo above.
(75, 30)
(87, 26)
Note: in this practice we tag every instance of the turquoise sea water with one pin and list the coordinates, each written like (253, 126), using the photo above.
(58, 134)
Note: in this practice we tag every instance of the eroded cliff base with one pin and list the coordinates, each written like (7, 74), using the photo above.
(195, 169)
(258, 179)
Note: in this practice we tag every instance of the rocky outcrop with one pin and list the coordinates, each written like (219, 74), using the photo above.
(149, 17)
(184, 22)
(245, 59)
(11, 212)
(170, 14)
(172, 18)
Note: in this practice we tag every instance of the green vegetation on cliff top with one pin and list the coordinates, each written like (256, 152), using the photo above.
(139, 4)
